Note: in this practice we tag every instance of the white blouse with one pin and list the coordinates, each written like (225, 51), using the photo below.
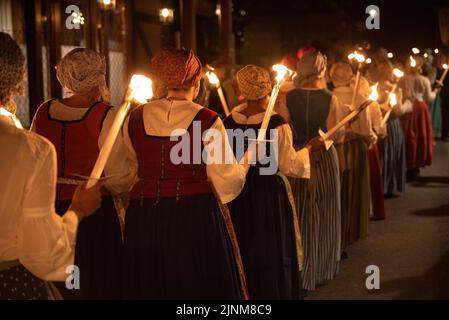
(120, 174)
(163, 117)
(291, 162)
(417, 87)
(30, 230)
(363, 123)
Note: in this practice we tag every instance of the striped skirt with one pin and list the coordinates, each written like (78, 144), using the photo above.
(355, 190)
(392, 157)
(318, 203)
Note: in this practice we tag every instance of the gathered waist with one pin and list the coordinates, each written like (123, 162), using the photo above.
(169, 188)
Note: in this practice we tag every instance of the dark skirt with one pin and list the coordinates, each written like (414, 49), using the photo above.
(178, 250)
(392, 156)
(98, 254)
(264, 224)
(17, 283)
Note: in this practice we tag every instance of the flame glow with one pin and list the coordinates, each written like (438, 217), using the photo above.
(390, 55)
(398, 73)
(393, 100)
(142, 89)
(416, 51)
(445, 66)
(412, 62)
(281, 71)
(213, 79)
(374, 95)
(436, 51)
(356, 56)
(368, 61)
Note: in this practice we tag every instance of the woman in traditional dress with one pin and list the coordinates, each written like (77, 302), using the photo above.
(376, 179)
(353, 158)
(392, 147)
(35, 243)
(264, 214)
(417, 125)
(178, 245)
(311, 107)
(77, 126)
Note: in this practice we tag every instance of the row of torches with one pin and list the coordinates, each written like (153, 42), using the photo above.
(140, 91)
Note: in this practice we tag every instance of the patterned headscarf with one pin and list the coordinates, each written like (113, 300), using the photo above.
(175, 69)
(341, 74)
(312, 66)
(12, 71)
(82, 70)
(254, 82)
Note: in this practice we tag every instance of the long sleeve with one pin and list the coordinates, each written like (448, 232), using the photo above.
(428, 95)
(336, 114)
(121, 167)
(227, 176)
(291, 162)
(376, 119)
(46, 241)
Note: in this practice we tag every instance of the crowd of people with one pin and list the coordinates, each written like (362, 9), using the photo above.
(218, 226)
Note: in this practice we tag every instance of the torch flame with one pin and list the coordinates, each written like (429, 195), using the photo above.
(356, 56)
(213, 79)
(416, 51)
(412, 62)
(141, 88)
(445, 66)
(393, 100)
(398, 73)
(374, 94)
(281, 71)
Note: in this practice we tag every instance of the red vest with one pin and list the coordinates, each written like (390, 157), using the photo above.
(76, 142)
(158, 176)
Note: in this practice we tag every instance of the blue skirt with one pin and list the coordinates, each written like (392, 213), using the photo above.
(98, 254)
(264, 224)
(178, 250)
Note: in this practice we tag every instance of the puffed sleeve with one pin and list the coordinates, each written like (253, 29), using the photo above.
(291, 162)
(121, 167)
(46, 241)
(223, 170)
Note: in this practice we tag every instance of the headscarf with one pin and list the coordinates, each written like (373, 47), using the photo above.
(341, 74)
(175, 69)
(302, 51)
(254, 82)
(379, 71)
(12, 71)
(82, 70)
(312, 66)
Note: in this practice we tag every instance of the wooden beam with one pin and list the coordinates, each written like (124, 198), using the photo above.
(54, 46)
(188, 24)
(130, 40)
(34, 41)
(227, 46)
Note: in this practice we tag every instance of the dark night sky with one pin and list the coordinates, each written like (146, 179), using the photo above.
(404, 24)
